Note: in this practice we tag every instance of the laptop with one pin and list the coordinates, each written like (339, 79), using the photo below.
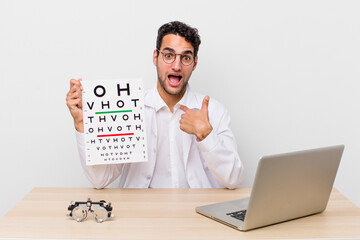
(286, 186)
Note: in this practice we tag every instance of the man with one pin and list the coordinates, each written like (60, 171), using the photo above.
(190, 143)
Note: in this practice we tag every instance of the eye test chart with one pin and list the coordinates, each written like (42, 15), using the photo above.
(114, 124)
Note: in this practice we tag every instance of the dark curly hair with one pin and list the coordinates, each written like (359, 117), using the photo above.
(179, 28)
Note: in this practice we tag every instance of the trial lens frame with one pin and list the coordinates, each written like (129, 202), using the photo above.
(101, 210)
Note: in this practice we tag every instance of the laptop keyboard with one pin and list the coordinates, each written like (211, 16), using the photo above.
(238, 214)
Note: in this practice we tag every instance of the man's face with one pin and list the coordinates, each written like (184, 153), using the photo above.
(173, 77)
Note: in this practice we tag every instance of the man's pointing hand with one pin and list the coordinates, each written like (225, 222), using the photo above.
(196, 121)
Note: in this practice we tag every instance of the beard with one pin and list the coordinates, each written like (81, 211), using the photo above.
(180, 92)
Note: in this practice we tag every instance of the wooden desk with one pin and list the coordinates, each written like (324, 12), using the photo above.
(162, 214)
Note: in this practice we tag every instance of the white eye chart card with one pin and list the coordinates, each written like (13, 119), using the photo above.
(114, 123)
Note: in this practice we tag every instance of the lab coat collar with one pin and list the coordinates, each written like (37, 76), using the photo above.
(190, 100)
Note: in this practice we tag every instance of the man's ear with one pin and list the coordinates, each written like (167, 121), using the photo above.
(155, 56)
(195, 62)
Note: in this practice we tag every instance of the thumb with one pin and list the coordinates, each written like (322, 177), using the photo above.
(205, 104)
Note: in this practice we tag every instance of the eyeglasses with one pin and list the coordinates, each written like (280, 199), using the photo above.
(169, 57)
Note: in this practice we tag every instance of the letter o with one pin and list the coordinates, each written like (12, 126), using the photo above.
(121, 102)
(96, 91)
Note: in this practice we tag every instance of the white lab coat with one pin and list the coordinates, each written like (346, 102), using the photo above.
(213, 162)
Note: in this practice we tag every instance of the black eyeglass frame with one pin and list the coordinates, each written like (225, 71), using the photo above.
(181, 57)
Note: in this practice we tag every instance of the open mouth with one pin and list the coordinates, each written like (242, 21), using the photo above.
(174, 80)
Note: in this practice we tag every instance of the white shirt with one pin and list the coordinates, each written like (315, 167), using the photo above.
(169, 168)
(213, 162)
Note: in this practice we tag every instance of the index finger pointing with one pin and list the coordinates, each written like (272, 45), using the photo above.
(184, 108)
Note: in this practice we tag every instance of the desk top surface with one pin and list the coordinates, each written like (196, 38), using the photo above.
(162, 214)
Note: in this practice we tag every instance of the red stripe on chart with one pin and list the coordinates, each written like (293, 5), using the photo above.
(115, 135)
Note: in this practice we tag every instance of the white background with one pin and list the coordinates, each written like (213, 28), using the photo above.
(288, 71)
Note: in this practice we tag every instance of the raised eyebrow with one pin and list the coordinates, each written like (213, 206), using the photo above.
(188, 52)
(173, 50)
(169, 49)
